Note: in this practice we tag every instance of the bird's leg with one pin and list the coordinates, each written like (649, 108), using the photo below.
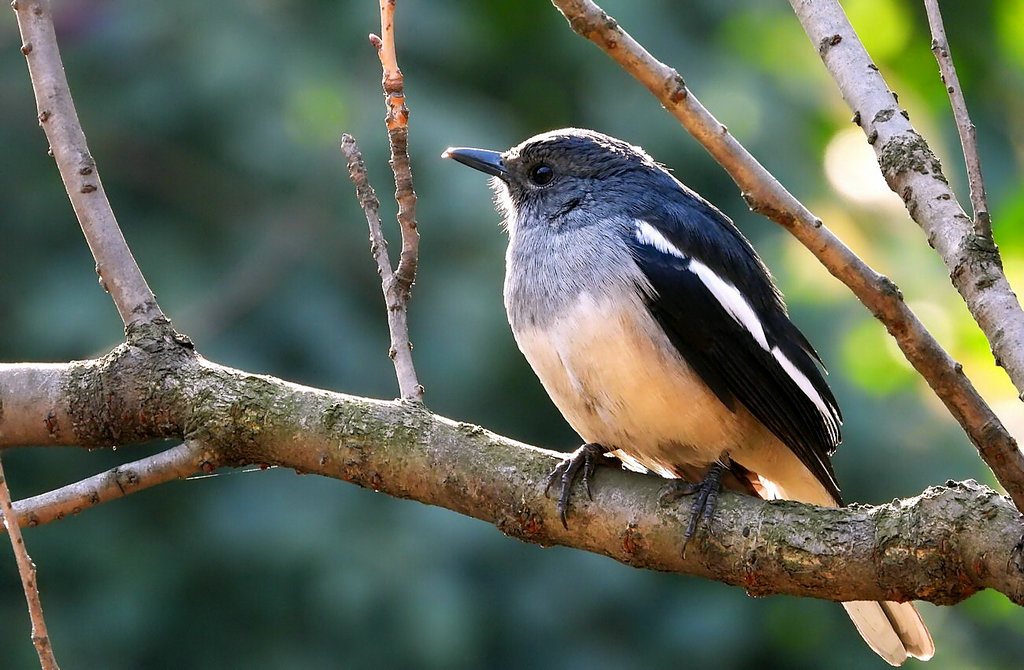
(707, 491)
(586, 459)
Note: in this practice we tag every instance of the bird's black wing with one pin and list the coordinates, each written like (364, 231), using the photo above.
(716, 301)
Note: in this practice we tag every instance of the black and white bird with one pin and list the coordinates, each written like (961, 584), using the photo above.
(659, 334)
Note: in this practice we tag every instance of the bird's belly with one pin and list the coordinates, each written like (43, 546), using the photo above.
(619, 382)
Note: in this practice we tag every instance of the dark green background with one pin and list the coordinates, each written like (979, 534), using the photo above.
(216, 125)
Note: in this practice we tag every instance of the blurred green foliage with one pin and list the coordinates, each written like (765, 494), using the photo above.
(215, 126)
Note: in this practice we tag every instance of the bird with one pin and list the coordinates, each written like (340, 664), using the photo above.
(661, 337)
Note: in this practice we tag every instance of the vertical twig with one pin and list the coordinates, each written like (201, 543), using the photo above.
(119, 273)
(397, 120)
(396, 299)
(966, 129)
(27, 570)
(396, 283)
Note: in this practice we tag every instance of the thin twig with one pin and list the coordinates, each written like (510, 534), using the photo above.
(397, 121)
(370, 204)
(396, 283)
(395, 300)
(914, 173)
(175, 463)
(119, 273)
(966, 129)
(767, 196)
(27, 570)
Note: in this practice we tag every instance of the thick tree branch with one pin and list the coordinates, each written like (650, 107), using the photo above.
(767, 196)
(913, 172)
(967, 131)
(27, 570)
(119, 274)
(941, 546)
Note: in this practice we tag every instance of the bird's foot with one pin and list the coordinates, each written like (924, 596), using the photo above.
(584, 459)
(703, 509)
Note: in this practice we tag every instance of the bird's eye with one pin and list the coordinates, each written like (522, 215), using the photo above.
(541, 174)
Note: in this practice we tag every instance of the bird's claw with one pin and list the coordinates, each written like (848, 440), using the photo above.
(704, 503)
(580, 463)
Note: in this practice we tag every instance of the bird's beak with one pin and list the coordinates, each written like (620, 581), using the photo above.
(478, 159)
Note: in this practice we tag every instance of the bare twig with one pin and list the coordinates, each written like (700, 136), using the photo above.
(966, 129)
(767, 196)
(175, 463)
(119, 274)
(395, 299)
(396, 283)
(913, 172)
(27, 570)
(397, 120)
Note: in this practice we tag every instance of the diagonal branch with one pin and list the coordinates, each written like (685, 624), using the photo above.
(966, 129)
(27, 570)
(174, 463)
(913, 172)
(119, 274)
(767, 196)
(941, 546)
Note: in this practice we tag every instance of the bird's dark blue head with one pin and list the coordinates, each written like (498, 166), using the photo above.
(566, 178)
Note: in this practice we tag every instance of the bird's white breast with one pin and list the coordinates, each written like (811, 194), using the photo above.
(619, 382)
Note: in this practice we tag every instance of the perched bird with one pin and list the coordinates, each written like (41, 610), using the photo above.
(658, 332)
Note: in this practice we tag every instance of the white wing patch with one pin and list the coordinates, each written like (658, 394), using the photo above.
(732, 300)
(806, 386)
(727, 295)
(651, 236)
(739, 309)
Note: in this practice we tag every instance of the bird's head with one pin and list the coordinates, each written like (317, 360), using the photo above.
(567, 178)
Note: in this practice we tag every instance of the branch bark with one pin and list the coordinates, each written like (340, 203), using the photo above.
(941, 546)
(119, 274)
(767, 196)
(913, 172)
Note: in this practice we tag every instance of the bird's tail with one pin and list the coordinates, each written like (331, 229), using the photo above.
(893, 630)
